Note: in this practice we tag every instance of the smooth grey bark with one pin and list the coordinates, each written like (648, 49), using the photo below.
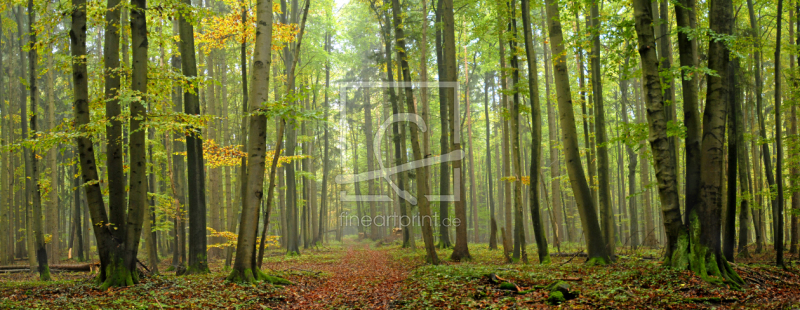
(244, 267)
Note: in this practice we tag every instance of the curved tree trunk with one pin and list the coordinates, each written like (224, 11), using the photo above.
(597, 251)
(416, 145)
(80, 109)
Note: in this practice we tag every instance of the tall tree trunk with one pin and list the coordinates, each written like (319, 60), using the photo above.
(242, 175)
(778, 206)
(665, 56)
(293, 245)
(212, 133)
(536, 136)
(588, 131)
(115, 151)
(708, 211)
(603, 170)
(52, 215)
(597, 251)
(632, 162)
(729, 231)
(198, 259)
(506, 201)
(5, 207)
(489, 76)
(271, 188)
(473, 190)
(765, 154)
(80, 108)
(795, 170)
(423, 75)
(323, 208)
(374, 232)
(178, 170)
(77, 219)
(555, 160)
(444, 141)
(137, 197)
(149, 215)
(244, 267)
(33, 198)
(685, 18)
(745, 183)
(516, 162)
(416, 145)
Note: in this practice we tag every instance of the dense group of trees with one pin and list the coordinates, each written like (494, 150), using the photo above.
(213, 129)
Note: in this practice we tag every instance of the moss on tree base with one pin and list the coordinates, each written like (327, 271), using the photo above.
(117, 276)
(691, 254)
(597, 261)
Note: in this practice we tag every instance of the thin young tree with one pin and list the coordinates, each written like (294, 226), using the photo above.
(33, 198)
(601, 137)
(536, 135)
(489, 78)
(778, 206)
(516, 160)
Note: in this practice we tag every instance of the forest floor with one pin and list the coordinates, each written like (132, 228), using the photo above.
(362, 275)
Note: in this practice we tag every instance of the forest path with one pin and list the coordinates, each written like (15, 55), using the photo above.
(363, 278)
